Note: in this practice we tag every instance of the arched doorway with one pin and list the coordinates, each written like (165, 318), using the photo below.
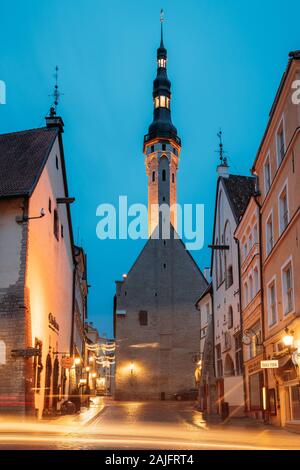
(55, 388)
(228, 366)
(48, 375)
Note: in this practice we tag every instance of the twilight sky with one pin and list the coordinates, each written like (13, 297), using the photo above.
(226, 58)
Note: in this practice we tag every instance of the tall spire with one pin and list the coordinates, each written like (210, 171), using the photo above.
(162, 126)
(162, 19)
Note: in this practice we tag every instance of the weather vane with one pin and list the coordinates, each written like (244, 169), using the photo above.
(223, 159)
(56, 94)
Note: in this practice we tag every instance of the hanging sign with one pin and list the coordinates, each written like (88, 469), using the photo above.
(67, 362)
(272, 364)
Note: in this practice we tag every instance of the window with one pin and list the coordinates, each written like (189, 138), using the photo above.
(283, 211)
(2, 353)
(173, 178)
(56, 162)
(287, 289)
(238, 354)
(272, 305)
(267, 175)
(254, 346)
(207, 312)
(62, 231)
(250, 288)
(56, 224)
(219, 361)
(230, 317)
(246, 294)
(229, 277)
(162, 102)
(161, 63)
(50, 205)
(164, 175)
(143, 317)
(255, 234)
(152, 148)
(280, 144)
(153, 176)
(256, 281)
(270, 239)
(163, 146)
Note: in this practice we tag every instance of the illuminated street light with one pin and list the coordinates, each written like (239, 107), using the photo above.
(94, 375)
(77, 361)
(131, 368)
(87, 369)
(91, 359)
(288, 339)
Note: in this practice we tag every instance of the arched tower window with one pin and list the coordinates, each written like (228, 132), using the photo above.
(173, 178)
(164, 175)
(153, 176)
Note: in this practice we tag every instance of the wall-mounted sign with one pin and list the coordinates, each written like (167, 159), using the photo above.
(53, 323)
(272, 364)
(67, 362)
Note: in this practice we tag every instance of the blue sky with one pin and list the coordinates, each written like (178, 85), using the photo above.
(226, 58)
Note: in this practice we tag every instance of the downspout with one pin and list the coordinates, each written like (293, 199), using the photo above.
(263, 330)
(241, 318)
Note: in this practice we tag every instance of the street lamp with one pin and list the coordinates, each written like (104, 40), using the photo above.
(288, 339)
(131, 368)
(77, 361)
(87, 369)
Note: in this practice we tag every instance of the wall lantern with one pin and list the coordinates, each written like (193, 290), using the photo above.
(77, 361)
(288, 339)
(87, 369)
(131, 368)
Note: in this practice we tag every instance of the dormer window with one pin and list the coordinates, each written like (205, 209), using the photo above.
(162, 102)
(162, 63)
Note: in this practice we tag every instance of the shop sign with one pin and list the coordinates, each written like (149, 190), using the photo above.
(273, 364)
(67, 362)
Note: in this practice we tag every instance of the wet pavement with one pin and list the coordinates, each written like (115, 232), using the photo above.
(144, 425)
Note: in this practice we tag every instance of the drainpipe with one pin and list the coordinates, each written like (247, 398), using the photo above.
(241, 317)
(266, 377)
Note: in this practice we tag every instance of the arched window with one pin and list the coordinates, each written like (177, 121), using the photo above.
(164, 175)
(2, 353)
(153, 176)
(173, 178)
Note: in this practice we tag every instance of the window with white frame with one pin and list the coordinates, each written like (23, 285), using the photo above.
(272, 303)
(287, 288)
(280, 143)
(269, 235)
(283, 210)
(267, 174)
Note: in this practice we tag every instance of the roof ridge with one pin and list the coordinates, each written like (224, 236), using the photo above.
(44, 128)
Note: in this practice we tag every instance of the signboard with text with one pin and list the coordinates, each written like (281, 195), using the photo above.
(272, 364)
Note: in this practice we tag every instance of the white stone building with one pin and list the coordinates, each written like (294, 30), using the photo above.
(232, 196)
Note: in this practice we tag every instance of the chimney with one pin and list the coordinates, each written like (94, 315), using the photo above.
(222, 170)
(54, 121)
